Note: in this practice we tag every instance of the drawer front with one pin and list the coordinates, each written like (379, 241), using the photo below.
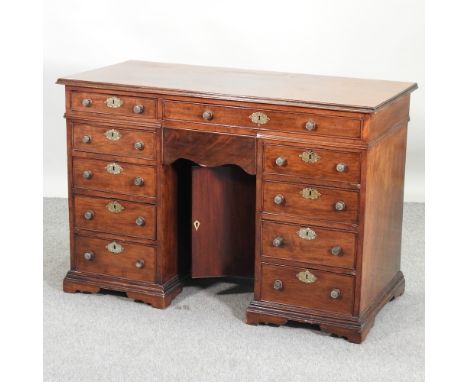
(311, 201)
(116, 177)
(277, 120)
(327, 291)
(115, 141)
(323, 164)
(115, 216)
(114, 104)
(308, 244)
(112, 257)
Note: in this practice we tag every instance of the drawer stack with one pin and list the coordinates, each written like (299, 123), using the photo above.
(114, 143)
(308, 227)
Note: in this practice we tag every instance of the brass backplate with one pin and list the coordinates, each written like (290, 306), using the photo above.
(309, 156)
(307, 233)
(114, 168)
(259, 118)
(112, 135)
(306, 277)
(115, 207)
(113, 102)
(196, 224)
(310, 193)
(114, 247)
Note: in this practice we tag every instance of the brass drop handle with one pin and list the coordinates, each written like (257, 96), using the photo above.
(138, 181)
(89, 215)
(86, 139)
(89, 256)
(207, 115)
(87, 174)
(280, 161)
(310, 125)
(139, 145)
(278, 242)
(336, 250)
(335, 293)
(340, 205)
(140, 264)
(278, 199)
(140, 221)
(341, 167)
(87, 102)
(138, 109)
(277, 285)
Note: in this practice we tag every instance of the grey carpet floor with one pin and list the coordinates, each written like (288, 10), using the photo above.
(202, 336)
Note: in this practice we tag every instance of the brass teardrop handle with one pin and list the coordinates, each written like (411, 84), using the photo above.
(140, 264)
(207, 115)
(138, 181)
(89, 256)
(89, 215)
(87, 102)
(335, 293)
(86, 139)
(310, 125)
(139, 145)
(340, 206)
(87, 174)
(138, 109)
(277, 285)
(140, 221)
(278, 242)
(278, 199)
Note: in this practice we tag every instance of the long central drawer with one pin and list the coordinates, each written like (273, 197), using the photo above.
(313, 124)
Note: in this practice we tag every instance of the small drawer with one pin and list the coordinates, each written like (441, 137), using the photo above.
(113, 104)
(115, 258)
(315, 163)
(115, 216)
(307, 288)
(116, 141)
(308, 123)
(309, 244)
(311, 201)
(115, 177)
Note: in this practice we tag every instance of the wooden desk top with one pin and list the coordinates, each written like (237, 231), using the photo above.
(338, 93)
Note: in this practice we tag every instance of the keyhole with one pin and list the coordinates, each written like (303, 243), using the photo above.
(114, 246)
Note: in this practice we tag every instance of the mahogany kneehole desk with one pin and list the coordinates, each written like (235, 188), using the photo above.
(295, 180)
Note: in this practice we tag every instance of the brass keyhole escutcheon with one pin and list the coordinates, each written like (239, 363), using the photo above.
(306, 277)
(112, 135)
(307, 234)
(309, 157)
(196, 224)
(310, 193)
(114, 168)
(259, 118)
(114, 247)
(115, 207)
(113, 102)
